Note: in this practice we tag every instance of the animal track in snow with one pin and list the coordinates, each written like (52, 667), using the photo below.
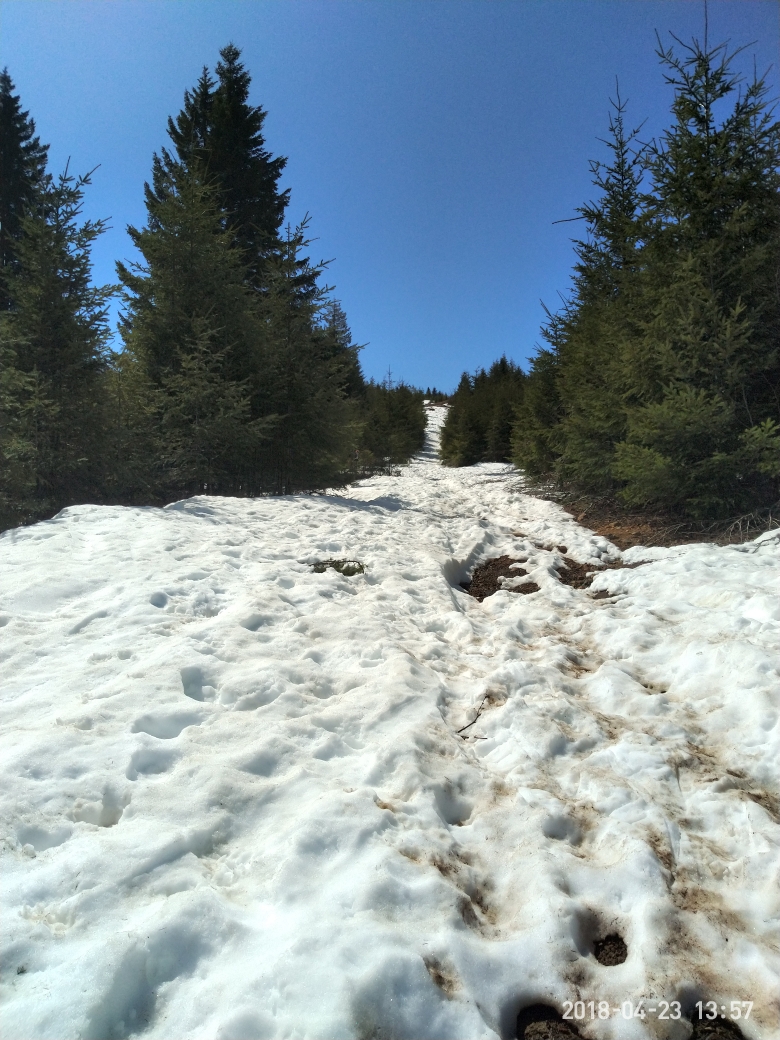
(192, 681)
(165, 727)
(150, 761)
(41, 839)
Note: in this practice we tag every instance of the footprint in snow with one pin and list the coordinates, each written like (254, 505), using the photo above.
(166, 727)
(193, 684)
(148, 761)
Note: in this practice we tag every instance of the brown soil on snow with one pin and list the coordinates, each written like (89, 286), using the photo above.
(611, 950)
(540, 1022)
(486, 578)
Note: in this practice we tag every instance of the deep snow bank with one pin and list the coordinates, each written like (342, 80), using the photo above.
(236, 805)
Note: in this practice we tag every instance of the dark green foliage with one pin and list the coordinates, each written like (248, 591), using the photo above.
(54, 344)
(221, 133)
(22, 169)
(302, 387)
(479, 421)
(393, 425)
(250, 365)
(190, 326)
(663, 378)
(537, 416)
(338, 338)
(349, 568)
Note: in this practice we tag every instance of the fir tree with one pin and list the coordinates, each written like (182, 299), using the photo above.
(189, 300)
(55, 341)
(344, 351)
(302, 383)
(704, 375)
(479, 421)
(222, 133)
(22, 169)
(392, 425)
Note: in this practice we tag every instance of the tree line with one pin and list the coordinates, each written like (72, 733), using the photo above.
(659, 381)
(237, 372)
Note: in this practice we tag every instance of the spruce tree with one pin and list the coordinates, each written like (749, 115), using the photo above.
(221, 132)
(56, 339)
(586, 336)
(191, 325)
(704, 374)
(302, 383)
(479, 421)
(344, 351)
(22, 169)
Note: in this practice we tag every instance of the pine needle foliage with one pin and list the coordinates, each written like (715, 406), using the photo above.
(661, 379)
(482, 410)
(54, 343)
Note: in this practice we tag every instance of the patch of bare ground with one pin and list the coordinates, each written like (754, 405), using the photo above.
(720, 1029)
(542, 1022)
(486, 579)
(626, 528)
(610, 950)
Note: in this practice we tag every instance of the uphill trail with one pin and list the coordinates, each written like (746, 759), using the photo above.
(246, 796)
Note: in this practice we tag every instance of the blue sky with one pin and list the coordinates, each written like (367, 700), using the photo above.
(433, 142)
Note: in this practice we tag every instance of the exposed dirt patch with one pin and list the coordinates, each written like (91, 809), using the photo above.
(486, 579)
(610, 950)
(541, 1022)
(345, 567)
(581, 575)
(577, 575)
(720, 1029)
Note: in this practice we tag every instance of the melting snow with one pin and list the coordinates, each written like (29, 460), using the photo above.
(237, 804)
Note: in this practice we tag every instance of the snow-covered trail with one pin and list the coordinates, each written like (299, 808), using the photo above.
(236, 805)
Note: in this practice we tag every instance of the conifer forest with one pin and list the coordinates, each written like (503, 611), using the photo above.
(659, 381)
(235, 372)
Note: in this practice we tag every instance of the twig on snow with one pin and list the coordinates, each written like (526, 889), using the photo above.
(476, 717)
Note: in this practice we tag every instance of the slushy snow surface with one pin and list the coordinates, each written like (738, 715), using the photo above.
(237, 805)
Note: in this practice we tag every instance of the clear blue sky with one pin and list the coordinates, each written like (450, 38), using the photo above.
(433, 142)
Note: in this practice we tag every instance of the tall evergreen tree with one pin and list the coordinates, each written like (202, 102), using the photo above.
(303, 384)
(192, 326)
(22, 169)
(345, 352)
(55, 344)
(704, 375)
(663, 372)
(480, 417)
(220, 131)
(585, 410)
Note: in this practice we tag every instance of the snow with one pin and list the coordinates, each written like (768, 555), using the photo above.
(236, 804)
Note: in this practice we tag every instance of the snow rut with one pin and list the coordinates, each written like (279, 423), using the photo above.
(246, 795)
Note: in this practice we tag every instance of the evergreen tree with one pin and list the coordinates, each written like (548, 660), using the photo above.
(704, 375)
(220, 132)
(345, 352)
(302, 384)
(192, 326)
(393, 425)
(479, 421)
(574, 413)
(22, 169)
(663, 376)
(55, 345)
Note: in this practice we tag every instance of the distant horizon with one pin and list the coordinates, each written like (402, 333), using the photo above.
(433, 145)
